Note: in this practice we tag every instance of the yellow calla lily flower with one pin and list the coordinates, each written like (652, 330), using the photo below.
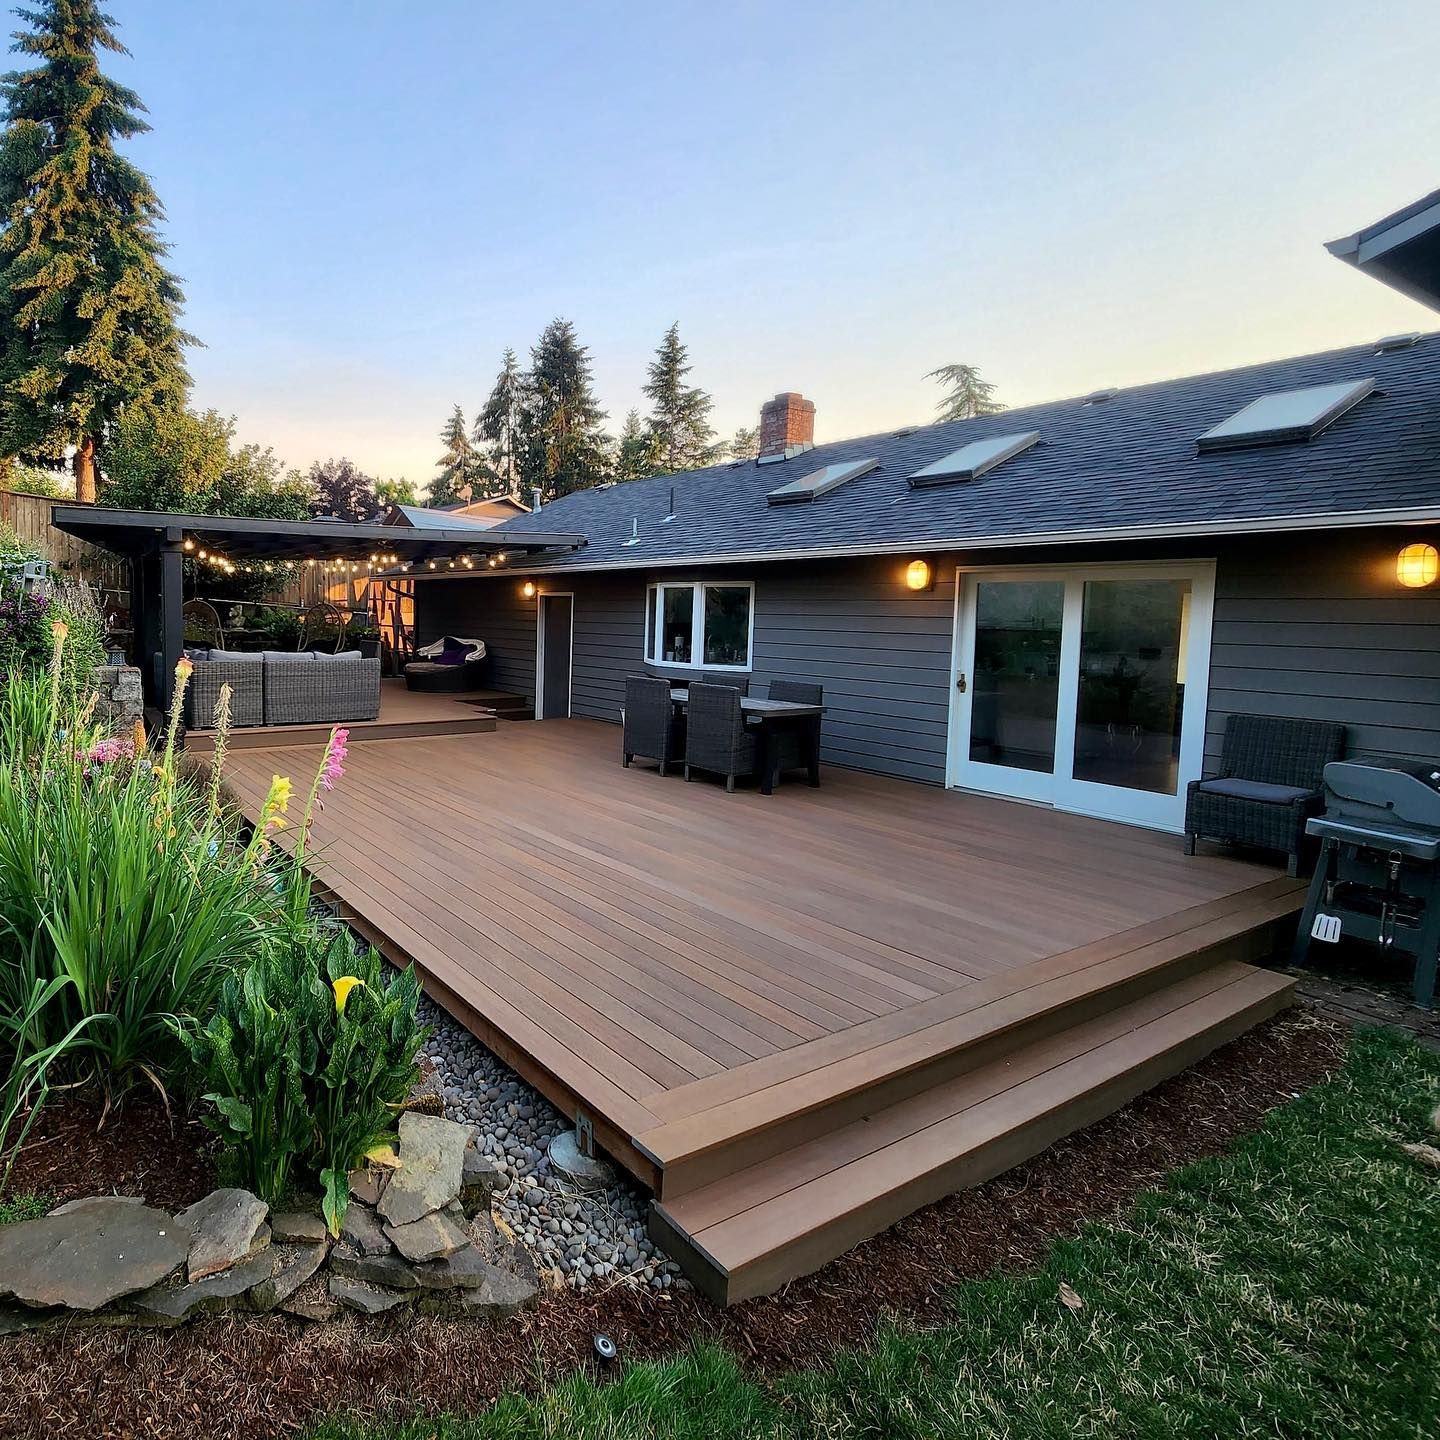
(342, 988)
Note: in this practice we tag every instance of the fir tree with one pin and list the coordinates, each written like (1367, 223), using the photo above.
(746, 443)
(498, 424)
(679, 422)
(88, 312)
(562, 445)
(341, 490)
(462, 470)
(635, 450)
(967, 396)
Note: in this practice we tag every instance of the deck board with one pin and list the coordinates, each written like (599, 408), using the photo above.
(658, 948)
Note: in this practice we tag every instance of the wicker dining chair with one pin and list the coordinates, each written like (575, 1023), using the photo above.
(1270, 783)
(716, 738)
(648, 721)
(735, 682)
(789, 748)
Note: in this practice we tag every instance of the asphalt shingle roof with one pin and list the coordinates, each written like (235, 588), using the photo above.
(1127, 462)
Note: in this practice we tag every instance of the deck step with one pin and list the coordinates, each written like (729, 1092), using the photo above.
(748, 1232)
(834, 1081)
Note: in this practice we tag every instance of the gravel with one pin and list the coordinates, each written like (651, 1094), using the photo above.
(592, 1240)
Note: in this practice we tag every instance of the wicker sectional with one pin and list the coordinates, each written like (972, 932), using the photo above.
(289, 690)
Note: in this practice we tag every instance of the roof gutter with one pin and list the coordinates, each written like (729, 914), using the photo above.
(1260, 525)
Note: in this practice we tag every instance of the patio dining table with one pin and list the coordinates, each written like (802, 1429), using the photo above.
(768, 717)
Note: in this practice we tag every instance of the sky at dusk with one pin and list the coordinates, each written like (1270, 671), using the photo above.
(369, 200)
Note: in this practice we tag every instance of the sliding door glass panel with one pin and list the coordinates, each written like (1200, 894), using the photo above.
(677, 622)
(727, 625)
(1016, 684)
(1131, 691)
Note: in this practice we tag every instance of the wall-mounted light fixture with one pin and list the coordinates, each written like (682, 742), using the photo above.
(918, 575)
(1417, 566)
(528, 589)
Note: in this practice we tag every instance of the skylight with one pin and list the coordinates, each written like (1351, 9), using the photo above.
(820, 482)
(977, 458)
(1287, 415)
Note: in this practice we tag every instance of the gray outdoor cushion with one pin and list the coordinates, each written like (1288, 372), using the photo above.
(1256, 790)
(343, 655)
(234, 655)
(273, 655)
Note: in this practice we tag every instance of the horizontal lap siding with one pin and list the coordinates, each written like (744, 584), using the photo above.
(490, 610)
(1317, 628)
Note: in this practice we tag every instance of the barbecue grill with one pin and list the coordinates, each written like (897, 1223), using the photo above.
(1378, 876)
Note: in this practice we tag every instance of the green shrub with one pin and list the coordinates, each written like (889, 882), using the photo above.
(308, 1055)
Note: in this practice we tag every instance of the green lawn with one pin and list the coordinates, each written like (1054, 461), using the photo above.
(1290, 1288)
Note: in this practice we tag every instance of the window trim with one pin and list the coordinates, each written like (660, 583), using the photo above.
(655, 619)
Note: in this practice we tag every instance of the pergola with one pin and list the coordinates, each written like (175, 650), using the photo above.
(157, 542)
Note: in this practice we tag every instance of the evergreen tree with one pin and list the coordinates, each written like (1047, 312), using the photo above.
(562, 447)
(679, 422)
(968, 395)
(88, 312)
(499, 422)
(462, 471)
(746, 443)
(635, 450)
(341, 490)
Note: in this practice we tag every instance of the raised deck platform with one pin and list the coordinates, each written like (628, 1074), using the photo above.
(795, 1018)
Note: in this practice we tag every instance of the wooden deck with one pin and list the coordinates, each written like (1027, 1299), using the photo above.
(794, 1018)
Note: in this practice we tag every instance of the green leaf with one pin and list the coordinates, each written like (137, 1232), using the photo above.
(336, 1199)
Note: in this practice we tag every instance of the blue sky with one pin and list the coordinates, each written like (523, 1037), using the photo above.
(369, 200)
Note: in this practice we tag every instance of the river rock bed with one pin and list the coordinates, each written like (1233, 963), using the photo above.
(591, 1239)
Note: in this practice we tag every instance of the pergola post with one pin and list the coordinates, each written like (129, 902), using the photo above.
(170, 621)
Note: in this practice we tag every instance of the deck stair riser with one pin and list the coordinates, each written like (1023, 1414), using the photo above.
(753, 1230)
(702, 1147)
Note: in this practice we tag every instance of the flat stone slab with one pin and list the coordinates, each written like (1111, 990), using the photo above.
(291, 1266)
(298, 1227)
(502, 1294)
(224, 1226)
(367, 1185)
(211, 1295)
(94, 1254)
(432, 1163)
(362, 1231)
(480, 1178)
(90, 1202)
(388, 1270)
(431, 1237)
(368, 1299)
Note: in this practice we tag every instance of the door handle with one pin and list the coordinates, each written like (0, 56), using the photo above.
(960, 684)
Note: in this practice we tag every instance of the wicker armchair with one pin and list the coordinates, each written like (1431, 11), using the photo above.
(304, 690)
(790, 750)
(246, 679)
(716, 738)
(1270, 783)
(650, 727)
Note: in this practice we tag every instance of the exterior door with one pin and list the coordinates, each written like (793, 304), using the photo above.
(555, 631)
(1083, 688)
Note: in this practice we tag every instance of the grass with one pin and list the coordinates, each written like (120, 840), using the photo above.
(1289, 1288)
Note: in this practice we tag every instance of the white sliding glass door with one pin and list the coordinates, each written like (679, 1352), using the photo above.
(1083, 688)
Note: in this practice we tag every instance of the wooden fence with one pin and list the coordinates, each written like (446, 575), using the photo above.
(29, 517)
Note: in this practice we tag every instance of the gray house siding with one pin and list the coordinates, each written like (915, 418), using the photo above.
(1306, 626)
(1317, 628)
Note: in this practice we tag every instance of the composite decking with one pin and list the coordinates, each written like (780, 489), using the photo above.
(794, 1017)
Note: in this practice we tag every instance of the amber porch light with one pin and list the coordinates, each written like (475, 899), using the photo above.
(1417, 566)
(917, 575)
(528, 589)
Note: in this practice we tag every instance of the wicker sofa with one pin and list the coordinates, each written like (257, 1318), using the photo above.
(278, 688)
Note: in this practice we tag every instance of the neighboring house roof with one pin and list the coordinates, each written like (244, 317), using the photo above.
(422, 517)
(1402, 250)
(1121, 467)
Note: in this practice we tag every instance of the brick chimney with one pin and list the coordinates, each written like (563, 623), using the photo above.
(788, 419)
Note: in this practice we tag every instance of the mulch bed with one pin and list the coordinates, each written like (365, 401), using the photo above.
(142, 1149)
(268, 1376)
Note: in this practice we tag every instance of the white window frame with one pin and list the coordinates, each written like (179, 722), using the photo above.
(655, 622)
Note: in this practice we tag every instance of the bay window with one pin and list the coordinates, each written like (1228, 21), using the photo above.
(700, 624)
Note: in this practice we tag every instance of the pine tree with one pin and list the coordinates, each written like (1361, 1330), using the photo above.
(679, 422)
(968, 396)
(342, 490)
(499, 422)
(635, 450)
(562, 447)
(462, 471)
(746, 443)
(88, 312)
